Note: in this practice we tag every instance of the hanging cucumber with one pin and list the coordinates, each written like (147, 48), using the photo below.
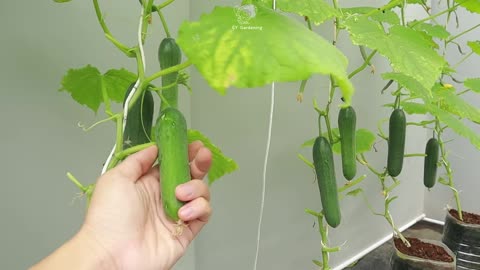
(139, 120)
(325, 171)
(347, 120)
(396, 142)
(172, 142)
(169, 55)
(430, 165)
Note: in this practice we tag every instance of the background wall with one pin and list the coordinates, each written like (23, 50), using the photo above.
(40, 140)
(289, 238)
(464, 157)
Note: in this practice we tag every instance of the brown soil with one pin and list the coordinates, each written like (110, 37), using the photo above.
(424, 250)
(469, 218)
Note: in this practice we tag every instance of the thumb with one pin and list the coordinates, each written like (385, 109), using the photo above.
(138, 164)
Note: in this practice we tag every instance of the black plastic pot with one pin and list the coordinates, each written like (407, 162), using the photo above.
(464, 240)
(401, 261)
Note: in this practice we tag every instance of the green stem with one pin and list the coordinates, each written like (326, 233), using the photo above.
(350, 184)
(106, 99)
(301, 90)
(147, 14)
(434, 16)
(324, 236)
(448, 169)
(164, 23)
(414, 155)
(140, 65)
(105, 29)
(164, 4)
(463, 60)
(402, 10)
(167, 71)
(119, 140)
(364, 65)
(127, 152)
(462, 33)
(113, 117)
(76, 182)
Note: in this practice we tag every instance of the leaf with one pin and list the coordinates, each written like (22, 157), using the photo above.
(435, 31)
(470, 5)
(388, 16)
(409, 83)
(84, 85)
(364, 142)
(473, 84)
(117, 82)
(475, 46)
(408, 51)
(449, 101)
(255, 46)
(221, 164)
(414, 108)
(309, 143)
(318, 11)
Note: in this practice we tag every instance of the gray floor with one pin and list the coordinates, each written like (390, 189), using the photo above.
(379, 258)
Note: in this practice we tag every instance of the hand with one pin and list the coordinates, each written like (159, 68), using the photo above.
(126, 227)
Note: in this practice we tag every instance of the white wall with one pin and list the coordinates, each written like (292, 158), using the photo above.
(239, 125)
(39, 138)
(464, 157)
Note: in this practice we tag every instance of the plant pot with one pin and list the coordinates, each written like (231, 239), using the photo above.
(464, 240)
(438, 255)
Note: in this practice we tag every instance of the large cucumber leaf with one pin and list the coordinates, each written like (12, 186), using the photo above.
(408, 50)
(473, 84)
(89, 87)
(251, 46)
(364, 140)
(221, 164)
(470, 5)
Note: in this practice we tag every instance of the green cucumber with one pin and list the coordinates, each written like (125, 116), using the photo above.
(430, 164)
(139, 120)
(171, 139)
(327, 184)
(169, 55)
(347, 120)
(396, 142)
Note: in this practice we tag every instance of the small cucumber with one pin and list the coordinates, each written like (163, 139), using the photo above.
(396, 142)
(169, 55)
(327, 184)
(347, 120)
(139, 120)
(171, 139)
(430, 165)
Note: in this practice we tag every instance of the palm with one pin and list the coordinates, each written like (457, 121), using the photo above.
(130, 222)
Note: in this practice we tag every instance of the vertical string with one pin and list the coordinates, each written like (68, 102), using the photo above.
(265, 165)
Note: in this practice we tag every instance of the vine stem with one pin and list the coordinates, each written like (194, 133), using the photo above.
(364, 65)
(463, 59)
(435, 15)
(462, 33)
(448, 169)
(164, 23)
(164, 4)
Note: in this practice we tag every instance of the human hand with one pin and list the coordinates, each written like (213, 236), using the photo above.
(126, 217)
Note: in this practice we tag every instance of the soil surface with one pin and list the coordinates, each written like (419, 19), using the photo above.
(469, 218)
(424, 250)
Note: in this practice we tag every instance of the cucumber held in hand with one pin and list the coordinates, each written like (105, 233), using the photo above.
(430, 165)
(139, 120)
(396, 142)
(327, 184)
(172, 142)
(347, 120)
(169, 55)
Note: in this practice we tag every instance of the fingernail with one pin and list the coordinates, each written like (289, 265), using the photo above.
(186, 212)
(186, 190)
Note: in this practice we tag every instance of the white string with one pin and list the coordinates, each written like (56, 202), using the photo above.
(264, 183)
(132, 92)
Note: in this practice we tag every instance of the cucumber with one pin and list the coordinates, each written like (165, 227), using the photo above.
(347, 120)
(396, 142)
(171, 139)
(139, 120)
(327, 184)
(430, 165)
(169, 55)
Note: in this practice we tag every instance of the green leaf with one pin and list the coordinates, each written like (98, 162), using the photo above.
(309, 143)
(318, 11)
(355, 192)
(470, 5)
(473, 84)
(409, 83)
(408, 51)
(435, 31)
(117, 81)
(255, 46)
(388, 16)
(449, 101)
(364, 142)
(84, 85)
(455, 124)
(221, 164)
(475, 46)
(414, 108)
